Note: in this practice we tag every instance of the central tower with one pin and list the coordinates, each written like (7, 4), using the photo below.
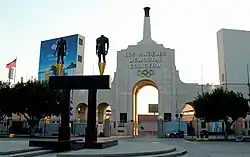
(147, 39)
(144, 64)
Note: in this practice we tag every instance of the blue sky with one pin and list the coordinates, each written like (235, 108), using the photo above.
(187, 26)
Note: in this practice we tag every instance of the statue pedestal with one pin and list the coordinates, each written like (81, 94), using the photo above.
(101, 67)
(64, 130)
(58, 146)
(59, 68)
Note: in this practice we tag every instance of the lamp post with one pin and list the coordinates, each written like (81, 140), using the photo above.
(132, 121)
(197, 127)
(160, 119)
(179, 116)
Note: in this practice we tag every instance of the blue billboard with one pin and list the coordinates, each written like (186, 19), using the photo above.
(48, 61)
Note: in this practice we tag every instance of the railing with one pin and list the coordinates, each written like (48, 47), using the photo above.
(48, 127)
(196, 128)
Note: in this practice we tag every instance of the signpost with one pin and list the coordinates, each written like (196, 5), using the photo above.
(153, 108)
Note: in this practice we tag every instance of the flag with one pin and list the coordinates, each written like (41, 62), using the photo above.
(11, 64)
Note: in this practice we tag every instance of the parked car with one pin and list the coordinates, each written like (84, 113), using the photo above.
(179, 134)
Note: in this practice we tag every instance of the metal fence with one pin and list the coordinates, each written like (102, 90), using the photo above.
(198, 127)
(144, 128)
(21, 127)
(4, 126)
(44, 127)
(47, 127)
(242, 127)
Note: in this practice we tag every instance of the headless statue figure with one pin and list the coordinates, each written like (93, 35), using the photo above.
(102, 46)
(61, 49)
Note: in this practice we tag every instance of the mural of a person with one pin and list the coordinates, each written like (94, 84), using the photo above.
(61, 48)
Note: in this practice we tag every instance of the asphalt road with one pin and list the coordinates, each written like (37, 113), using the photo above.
(212, 149)
(203, 149)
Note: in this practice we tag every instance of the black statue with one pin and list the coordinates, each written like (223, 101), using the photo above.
(61, 48)
(102, 47)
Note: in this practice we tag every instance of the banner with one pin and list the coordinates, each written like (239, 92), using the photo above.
(48, 61)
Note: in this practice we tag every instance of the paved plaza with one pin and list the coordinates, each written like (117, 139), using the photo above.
(195, 149)
(203, 149)
(126, 146)
(7, 145)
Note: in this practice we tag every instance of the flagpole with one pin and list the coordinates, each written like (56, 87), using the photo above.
(202, 88)
(225, 65)
(248, 83)
(9, 77)
(15, 74)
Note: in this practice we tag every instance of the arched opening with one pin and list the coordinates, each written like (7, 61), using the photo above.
(188, 116)
(81, 112)
(145, 99)
(103, 112)
(188, 112)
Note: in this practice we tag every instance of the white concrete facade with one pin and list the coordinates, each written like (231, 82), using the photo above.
(233, 55)
(159, 63)
(233, 59)
(80, 55)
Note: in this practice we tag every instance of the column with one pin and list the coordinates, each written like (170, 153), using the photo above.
(161, 104)
(130, 112)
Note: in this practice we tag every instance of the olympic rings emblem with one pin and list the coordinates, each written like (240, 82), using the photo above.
(145, 73)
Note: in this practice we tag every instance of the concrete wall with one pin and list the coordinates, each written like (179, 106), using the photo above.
(80, 52)
(233, 51)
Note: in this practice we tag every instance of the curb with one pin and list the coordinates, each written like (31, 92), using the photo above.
(176, 154)
(182, 153)
(20, 151)
(151, 153)
(29, 137)
(211, 140)
(172, 154)
(121, 137)
(55, 137)
(32, 154)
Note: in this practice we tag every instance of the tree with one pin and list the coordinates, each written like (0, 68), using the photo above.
(5, 108)
(221, 104)
(35, 100)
